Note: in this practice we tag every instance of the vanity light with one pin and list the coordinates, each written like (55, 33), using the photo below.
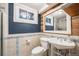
(60, 12)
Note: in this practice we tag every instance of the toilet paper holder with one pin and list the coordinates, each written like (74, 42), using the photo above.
(27, 42)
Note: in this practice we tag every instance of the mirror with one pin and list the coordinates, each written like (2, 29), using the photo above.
(58, 22)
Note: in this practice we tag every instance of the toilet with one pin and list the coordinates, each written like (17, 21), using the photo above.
(41, 50)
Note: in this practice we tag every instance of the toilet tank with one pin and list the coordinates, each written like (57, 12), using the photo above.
(44, 43)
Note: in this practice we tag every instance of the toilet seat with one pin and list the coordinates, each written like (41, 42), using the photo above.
(38, 50)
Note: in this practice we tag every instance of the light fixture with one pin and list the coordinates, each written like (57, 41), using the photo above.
(60, 12)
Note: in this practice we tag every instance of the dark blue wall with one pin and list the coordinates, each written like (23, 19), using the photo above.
(49, 27)
(16, 28)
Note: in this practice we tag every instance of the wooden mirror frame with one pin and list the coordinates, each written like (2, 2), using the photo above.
(49, 12)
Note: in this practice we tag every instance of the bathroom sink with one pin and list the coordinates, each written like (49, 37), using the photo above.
(60, 43)
(44, 39)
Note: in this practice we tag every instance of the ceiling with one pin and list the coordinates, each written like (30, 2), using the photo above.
(73, 10)
(40, 7)
(58, 14)
(36, 6)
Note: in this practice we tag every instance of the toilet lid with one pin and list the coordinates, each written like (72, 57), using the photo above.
(37, 50)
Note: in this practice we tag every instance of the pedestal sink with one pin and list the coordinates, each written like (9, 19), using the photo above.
(61, 43)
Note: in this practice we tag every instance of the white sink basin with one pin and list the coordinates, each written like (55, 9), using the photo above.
(44, 39)
(61, 43)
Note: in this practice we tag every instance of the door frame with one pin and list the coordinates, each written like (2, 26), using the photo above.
(1, 33)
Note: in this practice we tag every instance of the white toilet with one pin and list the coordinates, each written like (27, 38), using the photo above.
(40, 50)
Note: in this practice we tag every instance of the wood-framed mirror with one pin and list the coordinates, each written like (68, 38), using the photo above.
(57, 21)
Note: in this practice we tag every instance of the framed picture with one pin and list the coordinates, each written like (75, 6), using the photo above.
(30, 16)
(25, 14)
(48, 20)
(22, 14)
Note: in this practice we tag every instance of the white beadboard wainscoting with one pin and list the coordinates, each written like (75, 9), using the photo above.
(21, 45)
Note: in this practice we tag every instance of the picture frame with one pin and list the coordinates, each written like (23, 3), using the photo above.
(48, 20)
(22, 14)
(30, 16)
(25, 14)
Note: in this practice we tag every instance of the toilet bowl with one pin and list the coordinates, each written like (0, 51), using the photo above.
(40, 50)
